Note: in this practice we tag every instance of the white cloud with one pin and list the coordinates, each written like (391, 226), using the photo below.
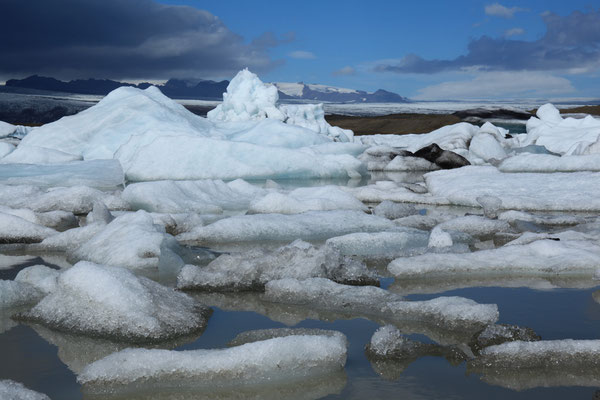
(498, 10)
(504, 84)
(514, 32)
(303, 55)
(347, 70)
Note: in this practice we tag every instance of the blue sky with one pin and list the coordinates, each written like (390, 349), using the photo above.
(423, 50)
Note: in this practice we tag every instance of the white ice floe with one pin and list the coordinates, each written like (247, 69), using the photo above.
(131, 240)
(577, 191)
(14, 294)
(269, 361)
(322, 198)
(408, 163)
(154, 137)
(14, 229)
(392, 191)
(439, 238)
(112, 302)
(11, 390)
(538, 257)
(265, 334)
(322, 293)
(206, 196)
(514, 216)
(563, 136)
(101, 174)
(475, 225)
(312, 225)
(41, 277)
(391, 210)
(76, 199)
(527, 162)
(253, 269)
(381, 244)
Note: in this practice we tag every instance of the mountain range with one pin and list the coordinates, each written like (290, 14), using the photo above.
(204, 89)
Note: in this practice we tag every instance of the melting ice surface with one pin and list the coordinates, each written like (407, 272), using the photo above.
(121, 225)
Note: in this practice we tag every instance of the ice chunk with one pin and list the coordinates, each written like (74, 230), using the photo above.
(15, 229)
(6, 129)
(247, 97)
(25, 154)
(14, 294)
(77, 199)
(205, 196)
(59, 220)
(391, 210)
(486, 147)
(312, 116)
(538, 258)
(577, 191)
(381, 244)
(550, 163)
(475, 225)
(264, 334)
(491, 205)
(409, 163)
(131, 240)
(439, 238)
(392, 191)
(5, 149)
(312, 225)
(11, 390)
(300, 200)
(101, 174)
(270, 361)
(252, 270)
(513, 216)
(373, 301)
(71, 239)
(112, 302)
(501, 333)
(41, 277)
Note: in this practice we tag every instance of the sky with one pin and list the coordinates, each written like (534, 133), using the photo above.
(423, 50)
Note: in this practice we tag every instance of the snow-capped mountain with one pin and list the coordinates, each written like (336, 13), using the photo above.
(303, 91)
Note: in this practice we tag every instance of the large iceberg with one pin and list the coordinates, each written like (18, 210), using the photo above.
(153, 137)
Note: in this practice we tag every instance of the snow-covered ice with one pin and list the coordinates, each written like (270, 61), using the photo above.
(264, 334)
(14, 294)
(269, 361)
(527, 162)
(112, 302)
(381, 244)
(11, 390)
(14, 229)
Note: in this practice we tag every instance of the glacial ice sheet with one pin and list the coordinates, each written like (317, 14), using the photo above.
(205, 196)
(527, 162)
(11, 390)
(131, 240)
(538, 258)
(252, 270)
(577, 191)
(322, 198)
(14, 229)
(402, 242)
(523, 365)
(451, 312)
(113, 303)
(76, 199)
(312, 225)
(99, 174)
(276, 360)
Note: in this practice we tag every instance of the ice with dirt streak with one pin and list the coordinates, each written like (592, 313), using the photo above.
(251, 270)
(111, 302)
(271, 361)
(311, 225)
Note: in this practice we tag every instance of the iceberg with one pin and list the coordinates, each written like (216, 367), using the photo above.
(272, 361)
(253, 269)
(312, 225)
(113, 303)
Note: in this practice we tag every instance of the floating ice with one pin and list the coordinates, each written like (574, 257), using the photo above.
(101, 174)
(252, 270)
(312, 225)
(59, 220)
(563, 136)
(475, 225)
(264, 334)
(392, 191)
(269, 361)
(409, 163)
(577, 191)
(14, 294)
(381, 244)
(6, 129)
(312, 116)
(5, 149)
(131, 240)
(111, 302)
(322, 198)
(391, 210)
(501, 333)
(39, 276)
(487, 147)
(25, 154)
(552, 220)
(15, 229)
(11, 390)
(550, 163)
(538, 258)
(323, 293)
(439, 238)
(205, 196)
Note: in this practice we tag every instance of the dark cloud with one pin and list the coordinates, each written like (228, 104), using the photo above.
(123, 39)
(570, 42)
